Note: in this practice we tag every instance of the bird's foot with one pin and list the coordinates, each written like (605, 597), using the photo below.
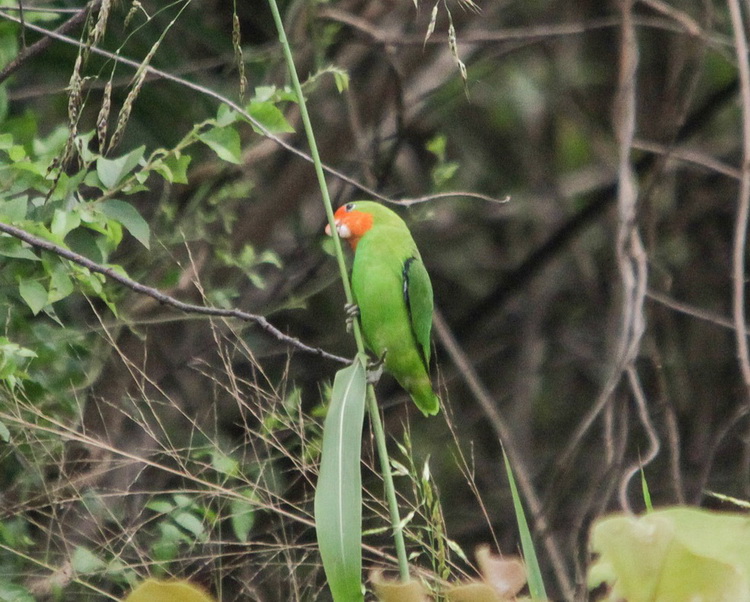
(352, 313)
(375, 369)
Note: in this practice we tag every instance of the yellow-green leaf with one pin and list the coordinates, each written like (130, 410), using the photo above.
(224, 141)
(673, 555)
(127, 215)
(33, 294)
(338, 494)
(85, 562)
(269, 115)
(155, 590)
(112, 171)
(243, 514)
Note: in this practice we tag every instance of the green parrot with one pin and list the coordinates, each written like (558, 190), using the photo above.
(393, 293)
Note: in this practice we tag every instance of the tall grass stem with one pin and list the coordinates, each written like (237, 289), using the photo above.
(372, 404)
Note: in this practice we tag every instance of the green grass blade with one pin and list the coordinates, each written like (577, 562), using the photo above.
(533, 573)
(646, 492)
(338, 495)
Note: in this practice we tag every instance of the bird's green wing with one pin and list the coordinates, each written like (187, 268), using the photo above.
(418, 296)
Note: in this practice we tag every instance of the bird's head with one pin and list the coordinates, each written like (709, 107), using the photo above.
(351, 223)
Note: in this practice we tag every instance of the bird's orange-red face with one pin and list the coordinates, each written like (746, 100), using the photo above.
(351, 224)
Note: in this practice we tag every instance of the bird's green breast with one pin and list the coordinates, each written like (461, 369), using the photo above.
(378, 286)
(393, 291)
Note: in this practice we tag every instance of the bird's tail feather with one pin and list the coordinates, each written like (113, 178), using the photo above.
(426, 399)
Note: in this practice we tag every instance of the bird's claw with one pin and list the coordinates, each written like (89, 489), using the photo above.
(375, 370)
(352, 313)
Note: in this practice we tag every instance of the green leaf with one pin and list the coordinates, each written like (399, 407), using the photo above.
(673, 554)
(34, 294)
(85, 562)
(4, 432)
(14, 593)
(341, 78)
(54, 142)
(262, 94)
(165, 550)
(17, 153)
(226, 115)
(224, 141)
(270, 117)
(12, 359)
(534, 573)
(63, 222)
(12, 247)
(243, 515)
(646, 492)
(183, 501)
(3, 104)
(160, 506)
(173, 168)
(125, 214)
(112, 171)
(168, 544)
(338, 494)
(224, 464)
(60, 284)
(274, 94)
(14, 210)
(189, 522)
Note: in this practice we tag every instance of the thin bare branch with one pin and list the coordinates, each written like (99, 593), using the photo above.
(741, 221)
(688, 156)
(690, 310)
(632, 260)
(165, 299)
(451, 195)
(743, 202)
(681, 17)
(519, 34)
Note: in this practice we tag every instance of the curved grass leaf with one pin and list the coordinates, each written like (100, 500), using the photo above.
(338, 495)
(534, 573)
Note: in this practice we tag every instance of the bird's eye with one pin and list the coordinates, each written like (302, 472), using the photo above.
(349, 206)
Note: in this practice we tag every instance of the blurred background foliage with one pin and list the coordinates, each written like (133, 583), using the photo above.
(149, 441)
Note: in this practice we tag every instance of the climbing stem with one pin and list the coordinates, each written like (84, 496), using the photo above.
(372, 404)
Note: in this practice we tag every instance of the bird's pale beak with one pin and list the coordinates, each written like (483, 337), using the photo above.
(341, 228)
